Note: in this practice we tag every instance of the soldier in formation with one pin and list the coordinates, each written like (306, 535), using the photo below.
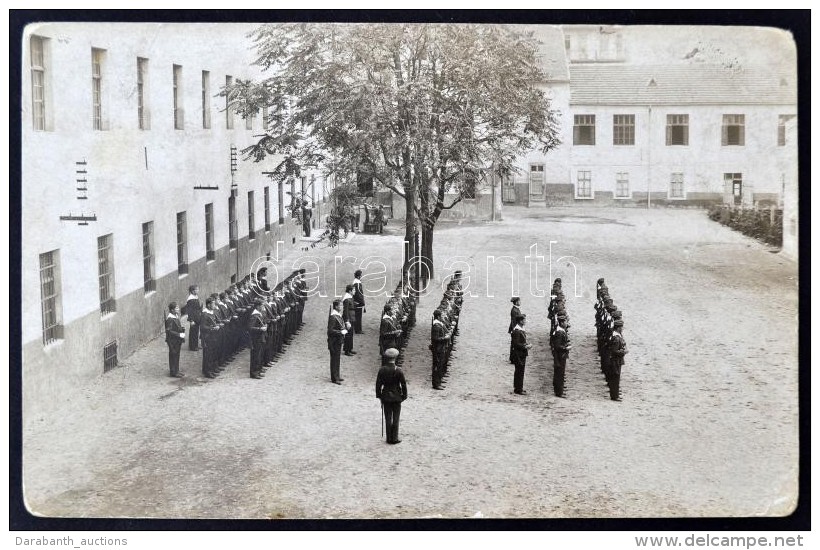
(559, 336)
(611, 344)
(444, 328)
(398, 319)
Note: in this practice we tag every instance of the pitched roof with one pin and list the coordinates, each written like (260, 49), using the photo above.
(551, 52)
(681, 84)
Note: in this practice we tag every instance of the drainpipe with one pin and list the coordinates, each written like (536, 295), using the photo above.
(649, 158)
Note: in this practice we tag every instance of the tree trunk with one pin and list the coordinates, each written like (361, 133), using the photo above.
(427, 253)
(409, 232)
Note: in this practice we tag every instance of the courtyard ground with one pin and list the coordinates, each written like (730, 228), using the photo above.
(708, 425)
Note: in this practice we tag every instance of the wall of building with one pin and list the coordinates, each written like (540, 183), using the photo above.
(134, 176)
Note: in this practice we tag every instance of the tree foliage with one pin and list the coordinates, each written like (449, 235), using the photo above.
(414, 106)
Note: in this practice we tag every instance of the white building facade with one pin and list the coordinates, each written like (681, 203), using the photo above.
(133, 188)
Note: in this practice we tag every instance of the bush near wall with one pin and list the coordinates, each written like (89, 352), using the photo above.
(763, 224)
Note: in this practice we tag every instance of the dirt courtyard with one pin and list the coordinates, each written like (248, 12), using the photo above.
(708, 425)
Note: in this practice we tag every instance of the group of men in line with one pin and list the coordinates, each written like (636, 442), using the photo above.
(345, 319)
(248, 312)
(398, 319)
(444, 329)
(559, 336)
(609, 326)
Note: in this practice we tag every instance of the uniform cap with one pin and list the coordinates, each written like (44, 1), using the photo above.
(619, 323)
(391, 353)
(616, 314)
(514, 299)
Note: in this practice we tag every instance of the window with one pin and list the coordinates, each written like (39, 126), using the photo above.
(206, 99)
(623, 129)
(228, 106)
(149, 283)
(265, 117)
(733, 130)
(567, 42)
(251, 220)
(781, 129)
(249, 122)
(142, 83)
(179, 113)
(583, 133)
(105, 263)
(50, 296)
(676, 186)
(281, 202)
(584, 188)
(96, 87)
(677, 129)
(267, 209)
(622, 185)
(210, 254)
(364, 183)
(536, 179)
(182, 242)
(109, 356)
(38, 82)
(232, 227)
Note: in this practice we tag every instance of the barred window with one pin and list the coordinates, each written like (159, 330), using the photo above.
(281, 202)
(584, 187)
(228, 106)
(182, 242)
(149, 284)
(232, 225)
(583, 132)
(50, 296)
(206, 99)
(622, 184)
(142, 83)
(676, 186)
(179, 112)
(623, 129)
(38, 82)
(210, 254)
(733, 130)
(677, 129)
(96, 87)
(105, 263)
(267, 208)
(251, 217)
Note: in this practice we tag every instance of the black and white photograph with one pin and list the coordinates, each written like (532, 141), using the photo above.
(306, 270)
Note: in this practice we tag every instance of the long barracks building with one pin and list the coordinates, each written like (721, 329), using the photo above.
(133, 188)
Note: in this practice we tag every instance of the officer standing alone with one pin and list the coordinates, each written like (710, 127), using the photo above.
(391, 389)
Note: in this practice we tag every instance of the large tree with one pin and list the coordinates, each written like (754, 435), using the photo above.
(422, 109)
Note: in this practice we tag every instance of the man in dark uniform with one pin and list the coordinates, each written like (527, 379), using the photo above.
(617, 350)
(174, 336)
(336, 332)
(560, 352)
(257, 329)
(193, 308)
(209, 333)
(389, 332)
(358, 300)
(439, 340)
(514, 314)
(521, 351)
(391, 389)
(348, 315)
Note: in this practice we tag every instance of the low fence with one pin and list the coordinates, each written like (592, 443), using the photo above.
(763, 224)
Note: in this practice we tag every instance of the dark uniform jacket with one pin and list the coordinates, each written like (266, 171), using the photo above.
(617, 347)
(174, 333)
(514, 313)
(519, 341)
(358, 299)
(391, 387)
(348, 309)
(560, 342)
(193, 308)
(438, 335)
(335, 326)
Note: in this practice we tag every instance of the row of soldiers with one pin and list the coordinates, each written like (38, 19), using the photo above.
(444, 328)
(277, 315)
(611, 344)
(559, 336)
(398, 319)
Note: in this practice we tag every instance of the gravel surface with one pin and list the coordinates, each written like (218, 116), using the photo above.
(708, 425)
